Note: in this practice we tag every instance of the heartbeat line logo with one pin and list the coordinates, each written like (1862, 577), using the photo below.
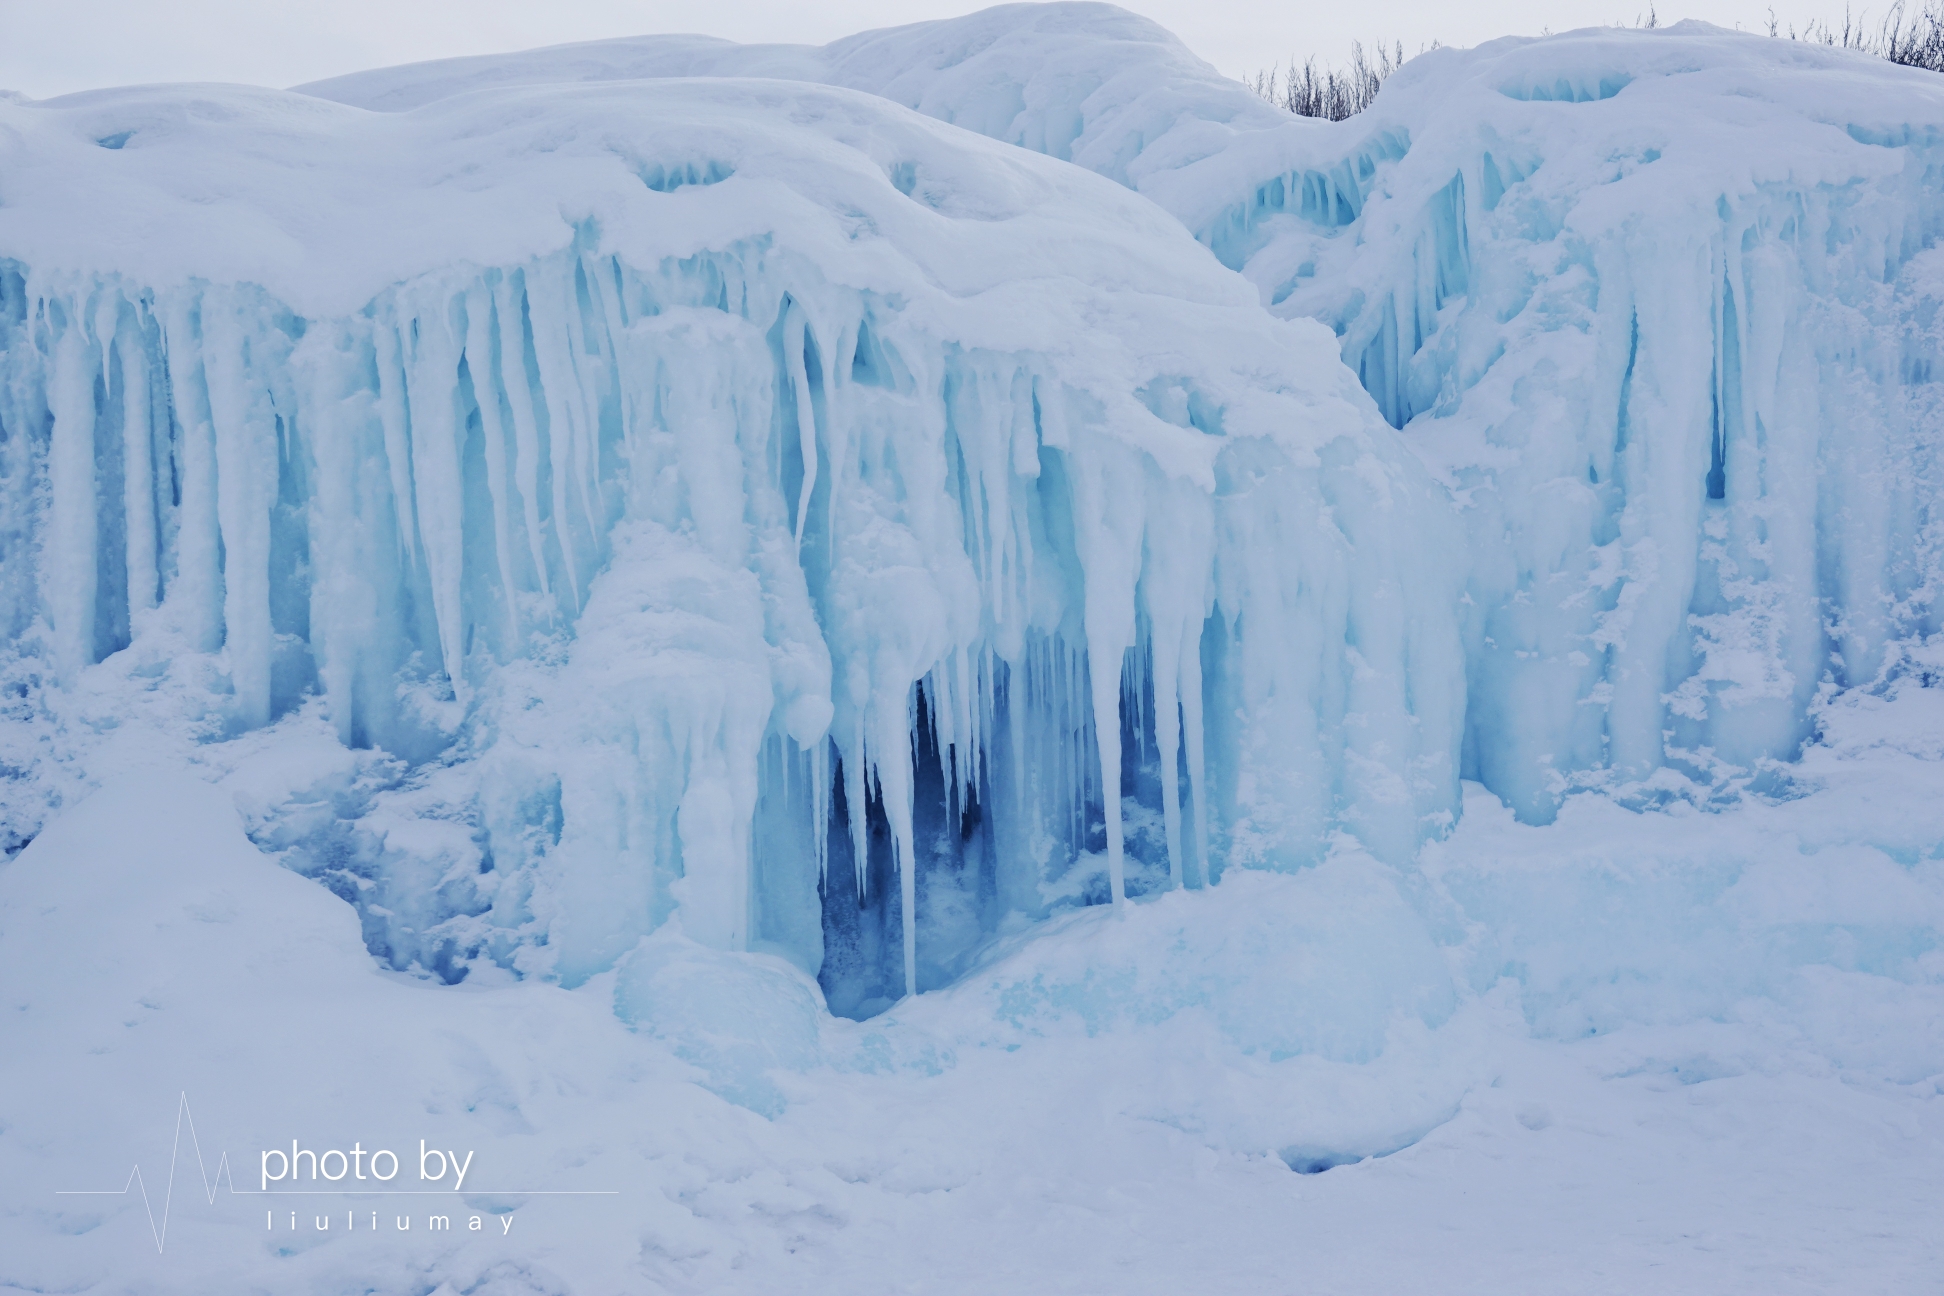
(161, 1231)
(353, 1162)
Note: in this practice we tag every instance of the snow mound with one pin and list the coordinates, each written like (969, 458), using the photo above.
(1087, 83)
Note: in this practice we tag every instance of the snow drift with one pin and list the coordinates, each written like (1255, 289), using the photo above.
(753, 503)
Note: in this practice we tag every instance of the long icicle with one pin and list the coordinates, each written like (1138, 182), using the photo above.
(72, 525)
(489, 382)
(138, 469)
(1165, 648)
(509, 306)
(1191, 716)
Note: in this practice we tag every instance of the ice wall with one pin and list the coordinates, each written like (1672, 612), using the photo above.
(747, 505)
(1657, 306)
(1659, 309)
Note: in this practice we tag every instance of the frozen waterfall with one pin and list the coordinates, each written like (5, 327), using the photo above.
(1660, 310)
(757, 506)
(781, 515)
(1658, 307)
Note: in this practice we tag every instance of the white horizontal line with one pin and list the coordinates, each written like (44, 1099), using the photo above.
(377, 1192)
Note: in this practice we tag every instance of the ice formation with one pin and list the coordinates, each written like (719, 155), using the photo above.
(698, 550)
(1658, 307)
(737, 499)
(732, 502)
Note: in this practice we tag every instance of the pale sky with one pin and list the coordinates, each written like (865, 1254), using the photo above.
(50, 47)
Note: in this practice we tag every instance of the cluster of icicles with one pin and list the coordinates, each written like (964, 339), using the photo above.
(797, 552)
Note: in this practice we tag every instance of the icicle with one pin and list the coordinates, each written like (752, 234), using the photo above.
(347, 526)
(895, 780)
(138, 471)
(857, 810)
(438, 430)
(819, 758)
(398, 434)
(581, 363)
(838, 431)
(1106, 680)
(1191, 714)
(489, 385)
(246, 483)
(1077, 711)
(509, 304)
(1166, 649)
(1019, 692)
(560, 392)
(197, 594)
(965, 746)
(794, 327)
(72, 524)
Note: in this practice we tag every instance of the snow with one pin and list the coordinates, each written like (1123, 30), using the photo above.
(971, 661)
(1086, 83)
(1756, 1107)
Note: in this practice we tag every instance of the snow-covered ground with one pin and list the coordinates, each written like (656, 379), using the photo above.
(1670, 1051)
(1381, 681)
